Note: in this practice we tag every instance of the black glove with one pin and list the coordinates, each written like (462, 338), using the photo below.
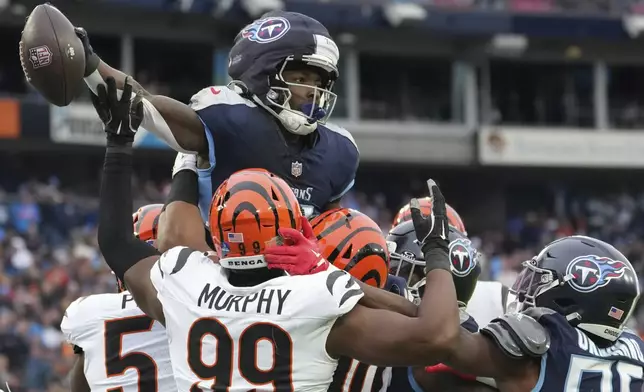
(121, 117)
(432, 231)
(91, 59)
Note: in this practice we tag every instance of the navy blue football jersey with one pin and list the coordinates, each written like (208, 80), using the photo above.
(575, 363)
(242, 135)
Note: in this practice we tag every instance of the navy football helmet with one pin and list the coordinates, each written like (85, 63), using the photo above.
(278, 41)
(585, 280)
(407, 261)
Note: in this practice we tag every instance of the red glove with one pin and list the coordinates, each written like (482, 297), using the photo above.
(300, 254)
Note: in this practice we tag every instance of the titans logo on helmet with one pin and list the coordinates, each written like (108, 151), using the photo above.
(266, 30)
(461, 256)
(592, 272)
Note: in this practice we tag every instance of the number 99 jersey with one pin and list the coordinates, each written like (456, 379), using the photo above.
(124, 349)
(269, 337)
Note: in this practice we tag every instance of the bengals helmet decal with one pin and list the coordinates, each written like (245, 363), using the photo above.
(246, 212)
(353, 242)
(404, 214)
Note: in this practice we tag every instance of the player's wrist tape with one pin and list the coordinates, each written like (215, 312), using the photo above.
(185, 187)
(436, 258)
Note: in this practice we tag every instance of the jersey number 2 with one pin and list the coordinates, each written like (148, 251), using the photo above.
(221, 371)
(580, 365)
(116, 363)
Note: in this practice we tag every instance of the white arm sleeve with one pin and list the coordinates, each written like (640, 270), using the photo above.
(153, 121)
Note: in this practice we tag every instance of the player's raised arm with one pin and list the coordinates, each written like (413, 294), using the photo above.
(375, 298)
(378, 336)
(174, 122)
(130, 258)
(180, 224)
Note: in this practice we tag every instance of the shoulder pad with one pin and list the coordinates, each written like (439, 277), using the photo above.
(77, 318)
(518, 335)
(74, 309)
(536, 313)
(217, 95)
(341, 131)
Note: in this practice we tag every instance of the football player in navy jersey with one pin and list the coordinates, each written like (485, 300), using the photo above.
(273, 115)
(574, 299)
(407, 262)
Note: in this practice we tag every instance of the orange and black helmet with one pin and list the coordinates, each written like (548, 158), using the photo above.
(246, 212)
(351, 241)
(145, 221)
(404, 214)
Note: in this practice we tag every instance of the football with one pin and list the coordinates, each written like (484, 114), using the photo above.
(51, 55)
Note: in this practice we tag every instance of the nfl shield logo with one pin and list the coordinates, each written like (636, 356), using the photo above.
(40, 56)
(296, 169)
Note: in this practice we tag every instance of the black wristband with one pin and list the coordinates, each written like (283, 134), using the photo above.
(437, 258)
(185, 187)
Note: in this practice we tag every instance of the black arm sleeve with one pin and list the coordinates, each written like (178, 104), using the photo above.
(185, 187)
(116, 240)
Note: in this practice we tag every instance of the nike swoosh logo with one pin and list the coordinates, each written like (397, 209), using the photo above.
(214, 90)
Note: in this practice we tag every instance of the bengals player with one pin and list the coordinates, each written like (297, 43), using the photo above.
(118, 346)
(353, 242)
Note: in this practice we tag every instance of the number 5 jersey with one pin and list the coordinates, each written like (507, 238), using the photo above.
(124, 350)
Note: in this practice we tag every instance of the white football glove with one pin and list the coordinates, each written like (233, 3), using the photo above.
(184, 162)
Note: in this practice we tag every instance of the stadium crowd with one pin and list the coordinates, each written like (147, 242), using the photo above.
(49, 257)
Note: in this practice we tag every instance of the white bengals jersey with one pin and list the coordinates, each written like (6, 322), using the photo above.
(488, 302)
(269, 337)
(124, 349)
